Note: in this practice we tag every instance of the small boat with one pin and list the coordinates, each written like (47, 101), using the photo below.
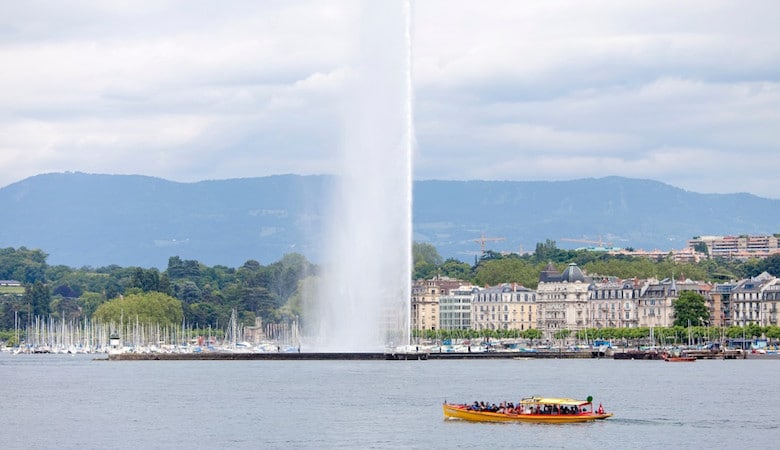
(531, 409)
(668, 358)
(678, 357)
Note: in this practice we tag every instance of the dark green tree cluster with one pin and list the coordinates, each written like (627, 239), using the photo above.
(206, 295)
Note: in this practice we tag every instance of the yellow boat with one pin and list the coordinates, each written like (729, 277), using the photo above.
(532, 409)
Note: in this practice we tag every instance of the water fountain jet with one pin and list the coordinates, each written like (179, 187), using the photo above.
(364, 301)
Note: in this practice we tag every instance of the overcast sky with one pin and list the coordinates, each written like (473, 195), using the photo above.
(687, 93)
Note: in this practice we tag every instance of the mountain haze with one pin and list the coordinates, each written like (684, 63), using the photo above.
(96, 220)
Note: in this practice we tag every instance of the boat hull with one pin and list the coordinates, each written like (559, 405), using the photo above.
(453, 411)
(680, 359)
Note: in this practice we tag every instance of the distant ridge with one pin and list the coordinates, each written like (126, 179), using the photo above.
(131, 220)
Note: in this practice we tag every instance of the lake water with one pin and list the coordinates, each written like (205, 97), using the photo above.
(58, 401)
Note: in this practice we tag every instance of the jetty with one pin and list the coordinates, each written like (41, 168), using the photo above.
(390, 356)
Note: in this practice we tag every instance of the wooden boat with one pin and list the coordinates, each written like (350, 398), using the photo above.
(532, 409)
(677, 356)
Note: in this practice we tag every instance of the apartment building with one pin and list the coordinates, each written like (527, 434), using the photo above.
(739, 247)
(455, 308)
(562, 301)
(425, 301)
(655, 306)
(612, 303)
(504, 307)
(755, 301)
(719, 304)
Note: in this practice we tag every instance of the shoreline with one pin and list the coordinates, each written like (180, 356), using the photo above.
(401, 356)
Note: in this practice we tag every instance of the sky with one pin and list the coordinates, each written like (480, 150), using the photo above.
(686, 93)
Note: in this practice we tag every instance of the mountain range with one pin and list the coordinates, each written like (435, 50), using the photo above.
(131, 220)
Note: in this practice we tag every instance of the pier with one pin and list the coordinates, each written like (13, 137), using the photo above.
(295, 356)
(406, 356)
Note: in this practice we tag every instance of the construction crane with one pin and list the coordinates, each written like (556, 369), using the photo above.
(481, 241)
(600, 242)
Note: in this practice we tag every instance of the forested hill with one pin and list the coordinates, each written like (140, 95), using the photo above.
(96, 220)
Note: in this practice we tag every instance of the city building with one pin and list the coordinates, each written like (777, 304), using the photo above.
(504, 307)
(562, 301)
(682, 255)
(425, 300)
(754, 301)
(455, 308)
(612, 303)
(738, 247)
(719, 304)
(655, 307)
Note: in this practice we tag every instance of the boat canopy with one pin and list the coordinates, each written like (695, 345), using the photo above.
(553, 401)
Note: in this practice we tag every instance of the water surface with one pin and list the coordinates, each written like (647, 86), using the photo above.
(57, 401)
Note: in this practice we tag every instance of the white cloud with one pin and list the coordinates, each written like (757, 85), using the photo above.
(687, 93)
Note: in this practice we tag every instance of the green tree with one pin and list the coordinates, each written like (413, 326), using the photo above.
(89, 302)
(532, 334)
(187, 291)
(14, 308)
(260, 301)
(423, 251)
(562, 334)
(425, 261)
(456, 269)
(38, 297)
(147, 307)
(178, 269)
(282, 277)
(65, 308)
(690, 308)
(771, 265)
(772, 332)
(203, 315)
(545, 251)
(24, 265)
(148, 280)
(507, 270)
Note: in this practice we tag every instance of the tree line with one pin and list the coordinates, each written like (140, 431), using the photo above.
(204, 296)
(495, 268)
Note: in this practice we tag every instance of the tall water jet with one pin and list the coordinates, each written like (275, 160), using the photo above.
(365, 298)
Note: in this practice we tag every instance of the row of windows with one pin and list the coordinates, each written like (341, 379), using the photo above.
(506, 308)
(505, 318)
(611, 294)
(486, 298)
